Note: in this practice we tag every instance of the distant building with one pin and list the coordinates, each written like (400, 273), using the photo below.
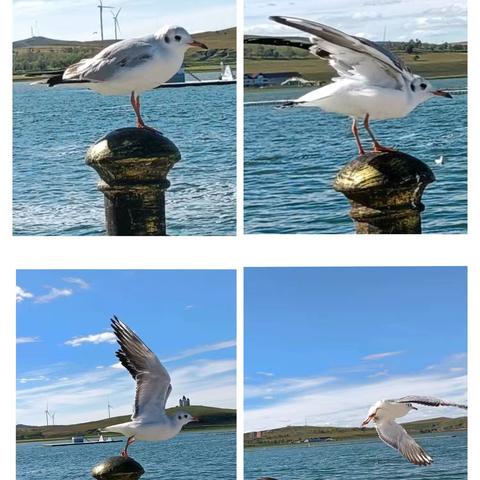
(184, 402)
(268, 79)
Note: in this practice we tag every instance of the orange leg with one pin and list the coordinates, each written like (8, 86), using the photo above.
(376, 146)
(361, 151)
(135, 101)
(130, 440)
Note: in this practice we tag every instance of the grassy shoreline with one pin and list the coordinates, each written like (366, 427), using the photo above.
(301, 435)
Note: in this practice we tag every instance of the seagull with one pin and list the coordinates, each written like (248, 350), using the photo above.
(384, 413)
(149, 420)
(440, 160)
(372, 82)
(132, 66)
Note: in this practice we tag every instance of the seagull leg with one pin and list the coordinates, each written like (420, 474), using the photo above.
(361, 151)
(135, 101)
(130, 440)
(376, 146)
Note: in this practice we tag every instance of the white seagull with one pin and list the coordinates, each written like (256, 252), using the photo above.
(132, 66)
(372, 83)
(384, 413)
(149, 420)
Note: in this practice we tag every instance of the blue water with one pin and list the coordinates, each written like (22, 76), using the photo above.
(359, 460)
(54, 192)
(189, 456)
(292, 156)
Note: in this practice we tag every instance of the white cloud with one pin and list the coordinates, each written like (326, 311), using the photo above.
(104, 337)
(53, 294)
(212, 347)
(378, 356)
(21, 294)
(345, 405)
(84, 396)
(41, 378)
(27, 340)
(79, 282)
(285, 386)
(265, 374)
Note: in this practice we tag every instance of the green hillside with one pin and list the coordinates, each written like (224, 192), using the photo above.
(428, 60)
(209, 417)
(40, 54)
(298, 434)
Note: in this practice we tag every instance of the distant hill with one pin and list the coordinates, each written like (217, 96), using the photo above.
(298, 434)
(209, 417)
(42, 54)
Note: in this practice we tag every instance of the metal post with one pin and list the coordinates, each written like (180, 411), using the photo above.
(385, 192)
(133, 164)
(118, 468)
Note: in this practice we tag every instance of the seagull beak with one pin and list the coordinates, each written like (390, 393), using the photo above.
(194, 43)
(194, 419)
(367, 421)
(414, 408)
(442, 93)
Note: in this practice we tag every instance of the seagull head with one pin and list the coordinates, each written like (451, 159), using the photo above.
(183, 418)
(422, 89)
(177, 38)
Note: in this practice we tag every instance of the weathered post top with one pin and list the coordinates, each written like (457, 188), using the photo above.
(133, 164)
(385, 191)
(118, 468)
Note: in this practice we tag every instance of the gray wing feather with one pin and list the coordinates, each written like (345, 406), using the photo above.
(153, 380)
(429, 401)
(396, 437)
(110, 61)
(349, 53)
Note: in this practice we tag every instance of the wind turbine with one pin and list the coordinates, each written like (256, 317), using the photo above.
(115, 22)
(47, 413)
(101, 7)
(52, 416)
(109, 407)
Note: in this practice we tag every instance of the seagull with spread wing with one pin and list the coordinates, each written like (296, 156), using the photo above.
(372, 82)
(384, 413)
(149, 420)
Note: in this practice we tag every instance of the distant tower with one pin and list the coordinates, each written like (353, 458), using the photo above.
(188, 402)
(109, 407)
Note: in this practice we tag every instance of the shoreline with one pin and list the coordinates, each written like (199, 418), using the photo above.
(366, 436)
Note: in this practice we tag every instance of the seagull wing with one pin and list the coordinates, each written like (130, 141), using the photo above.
(429, 401)
(303, 43)
(153, 380)
(396, 437)
(353, 57)
(111, 61)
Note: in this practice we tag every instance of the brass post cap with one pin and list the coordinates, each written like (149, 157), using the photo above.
(119, 468)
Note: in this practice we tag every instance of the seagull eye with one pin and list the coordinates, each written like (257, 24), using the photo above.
(179, 417)
(185, 416)
(423, 86)
(412, 87)
(178, 38)
(167, 39)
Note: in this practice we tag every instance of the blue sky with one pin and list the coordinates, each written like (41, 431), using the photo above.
(65, 348)
(429, 20)
(79, 19)
(323, 344)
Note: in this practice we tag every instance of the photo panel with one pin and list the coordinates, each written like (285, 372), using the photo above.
(126, 370)
(343, 363)
(355, 110)
(81, 88)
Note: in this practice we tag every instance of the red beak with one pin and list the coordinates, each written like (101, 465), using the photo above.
(194, 419)
(442, 93)
(198, 44)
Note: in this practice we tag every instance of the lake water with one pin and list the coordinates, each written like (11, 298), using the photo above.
(189, 456)
(293, 154)
(359, 460)
(54, 192)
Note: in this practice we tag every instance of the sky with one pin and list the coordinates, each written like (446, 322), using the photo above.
(80, 19)
(323, 344)
(434, 21)
(66, 349)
